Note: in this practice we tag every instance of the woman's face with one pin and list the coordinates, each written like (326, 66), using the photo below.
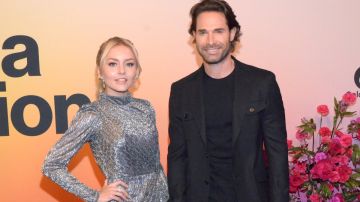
(118, 70)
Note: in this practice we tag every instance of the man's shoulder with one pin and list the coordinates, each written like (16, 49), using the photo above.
(253, 71)
(189, 78)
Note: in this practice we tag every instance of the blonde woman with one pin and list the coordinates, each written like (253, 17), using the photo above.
(121, 131)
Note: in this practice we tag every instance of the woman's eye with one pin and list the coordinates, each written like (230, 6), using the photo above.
(130, 64)
(112, 64)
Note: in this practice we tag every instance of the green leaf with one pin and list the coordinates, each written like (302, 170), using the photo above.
(301, 126)
(349, 196)
(325, 190)
(336, 103)
(296, 149)
(356, 148)
(357, 170)
(355, 175)
(311, 153)
(351, 183)
(355, 157)
(348, 113)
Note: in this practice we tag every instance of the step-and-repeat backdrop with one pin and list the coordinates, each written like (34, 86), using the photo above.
(48, 51)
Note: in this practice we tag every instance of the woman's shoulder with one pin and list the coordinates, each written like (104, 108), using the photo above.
(90, 110)
(142, 102)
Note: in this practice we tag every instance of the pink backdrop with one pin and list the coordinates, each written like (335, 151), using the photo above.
(312, 46)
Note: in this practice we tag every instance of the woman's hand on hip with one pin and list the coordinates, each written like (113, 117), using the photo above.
(114, 191)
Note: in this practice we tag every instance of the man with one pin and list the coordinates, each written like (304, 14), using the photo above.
(221, 117)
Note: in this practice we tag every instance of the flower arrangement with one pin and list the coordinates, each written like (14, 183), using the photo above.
(330, 171)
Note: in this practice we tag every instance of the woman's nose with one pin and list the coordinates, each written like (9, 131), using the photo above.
(121, 69)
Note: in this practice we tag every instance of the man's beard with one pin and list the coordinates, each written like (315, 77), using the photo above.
(222, 56)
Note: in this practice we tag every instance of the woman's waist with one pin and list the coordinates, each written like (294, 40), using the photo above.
(133, 175)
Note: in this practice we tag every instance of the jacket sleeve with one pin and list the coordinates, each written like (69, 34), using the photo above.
(177, 155)
(55, 166)
(274, 126)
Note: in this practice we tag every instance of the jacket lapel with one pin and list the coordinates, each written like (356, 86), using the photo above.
(239, 106)
(198, 102)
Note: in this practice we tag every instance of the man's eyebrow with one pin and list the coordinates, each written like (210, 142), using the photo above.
(201, 30)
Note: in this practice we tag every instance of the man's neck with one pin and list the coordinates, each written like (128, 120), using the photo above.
(221, 69)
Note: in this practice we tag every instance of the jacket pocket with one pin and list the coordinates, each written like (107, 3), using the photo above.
(189, 125)
(187, 116)
(255, 107)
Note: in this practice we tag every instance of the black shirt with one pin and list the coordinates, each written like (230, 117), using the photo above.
(218, 101)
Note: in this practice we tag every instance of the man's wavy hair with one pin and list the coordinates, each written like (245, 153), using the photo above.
(218, 6)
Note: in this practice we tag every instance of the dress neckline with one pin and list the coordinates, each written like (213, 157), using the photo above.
(120, 100)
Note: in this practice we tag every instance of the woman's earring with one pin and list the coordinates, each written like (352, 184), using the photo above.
(103, 84)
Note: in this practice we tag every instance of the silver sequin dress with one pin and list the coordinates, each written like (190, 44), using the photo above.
(124, 140)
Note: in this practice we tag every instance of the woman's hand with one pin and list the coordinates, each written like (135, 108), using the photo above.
(115, 191)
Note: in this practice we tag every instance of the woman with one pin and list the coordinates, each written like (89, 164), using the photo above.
(121, 131)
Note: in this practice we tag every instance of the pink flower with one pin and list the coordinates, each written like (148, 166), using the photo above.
(346, 140)
(331, 187)
(349, 98)
(325, 140)
(292, 189)
(323, 170)
(289, 144)
(301, 136)
(314, 197)
(344, 173)
(324, 131)
(349, 152)
(320, 156)
(323, 110)
(303, 158)
(300, 168)
(340, 160)
(296, 180)
(335, 147)
(334, 176)
(339, 133)
(337, 198)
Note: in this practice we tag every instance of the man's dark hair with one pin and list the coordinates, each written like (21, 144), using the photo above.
(218, 6)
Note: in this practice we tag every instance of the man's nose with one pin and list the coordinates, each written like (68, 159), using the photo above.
(210, 38)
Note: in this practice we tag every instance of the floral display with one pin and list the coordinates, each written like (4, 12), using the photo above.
(325, 165)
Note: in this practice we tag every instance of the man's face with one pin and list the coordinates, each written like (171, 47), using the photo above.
(213, 37)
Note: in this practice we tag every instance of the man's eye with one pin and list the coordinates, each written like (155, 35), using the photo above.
(201, 33)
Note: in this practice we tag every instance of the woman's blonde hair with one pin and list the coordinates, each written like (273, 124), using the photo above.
(106, 47)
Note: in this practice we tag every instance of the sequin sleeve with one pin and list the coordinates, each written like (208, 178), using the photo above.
(80, 131)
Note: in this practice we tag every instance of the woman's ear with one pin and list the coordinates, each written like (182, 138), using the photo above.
(99, 73)
(137, 74)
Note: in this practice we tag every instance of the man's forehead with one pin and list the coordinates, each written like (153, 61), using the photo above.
(211, 20)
